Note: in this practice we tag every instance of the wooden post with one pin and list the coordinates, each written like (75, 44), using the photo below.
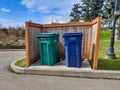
(27, 44)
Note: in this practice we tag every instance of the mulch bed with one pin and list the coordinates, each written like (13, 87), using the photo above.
(12, 47)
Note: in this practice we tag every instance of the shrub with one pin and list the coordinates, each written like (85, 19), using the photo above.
(12, 35)
(8, 39)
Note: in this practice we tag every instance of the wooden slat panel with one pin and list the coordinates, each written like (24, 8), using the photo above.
(95, 64)
(86, 38)
(93, 42)
(34, 48)
(67, 24)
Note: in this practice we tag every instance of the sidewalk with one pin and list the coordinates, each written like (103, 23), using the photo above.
(61, 70)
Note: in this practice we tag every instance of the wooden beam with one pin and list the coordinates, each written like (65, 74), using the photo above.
(91, 43)
(95, 63)
(95, 20)
(73, 24)
(31, 24)
(27, 24)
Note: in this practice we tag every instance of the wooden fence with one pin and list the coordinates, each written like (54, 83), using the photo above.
(90, 42)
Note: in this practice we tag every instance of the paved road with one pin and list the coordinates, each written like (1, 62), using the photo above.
(12, 81)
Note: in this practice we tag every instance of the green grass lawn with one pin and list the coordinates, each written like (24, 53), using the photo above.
(106, 43)
(105, 35)
(108, 64)
(21, 63)
(105, 40)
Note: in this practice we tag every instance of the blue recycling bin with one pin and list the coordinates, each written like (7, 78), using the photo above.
(73, 49)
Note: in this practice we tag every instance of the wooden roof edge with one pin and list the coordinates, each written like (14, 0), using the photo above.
(68, 24)
(72, 24)
(32, 24)
(96, 20)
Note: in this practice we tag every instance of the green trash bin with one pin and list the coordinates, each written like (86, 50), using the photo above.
(48, 44)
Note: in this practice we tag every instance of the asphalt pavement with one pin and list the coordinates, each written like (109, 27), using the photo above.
(12, 81)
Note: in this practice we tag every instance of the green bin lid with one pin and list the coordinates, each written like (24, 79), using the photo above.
(47, 34)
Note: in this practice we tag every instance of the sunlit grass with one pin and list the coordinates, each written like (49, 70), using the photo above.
(108, 64)
(21, 63)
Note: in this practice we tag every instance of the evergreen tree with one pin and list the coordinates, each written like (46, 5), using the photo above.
(75, 14)
(96, 8)
(86, 8)
(108, 11)
(91, 9)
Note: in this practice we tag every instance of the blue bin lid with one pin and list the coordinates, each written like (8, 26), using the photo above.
(70, 34)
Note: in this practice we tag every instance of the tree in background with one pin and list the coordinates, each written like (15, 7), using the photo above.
(12, 35)
(87, 10)
(0, 25)
(75, 13)
(96, 8)
(108, 12)
(4, 29)
(117, 34)
(21, 32)
(91, 9)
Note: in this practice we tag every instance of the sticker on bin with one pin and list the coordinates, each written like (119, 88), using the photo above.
(72, 38)
(43, 39)
(55, 41)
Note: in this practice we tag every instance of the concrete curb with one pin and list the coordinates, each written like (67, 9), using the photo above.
(17, 69)
(12, 49)
(70, 72)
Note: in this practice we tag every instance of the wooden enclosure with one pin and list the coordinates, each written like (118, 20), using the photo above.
(90, 42)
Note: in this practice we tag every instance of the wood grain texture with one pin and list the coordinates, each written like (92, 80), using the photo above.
(31, 24)
(86, 38)
(73, 24)
(27, 44)
(34, 48)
